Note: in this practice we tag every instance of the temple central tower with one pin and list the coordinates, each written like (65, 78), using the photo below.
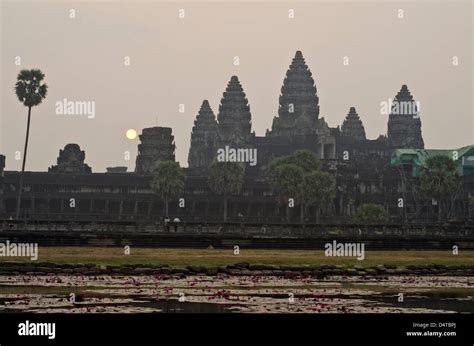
(298, 111)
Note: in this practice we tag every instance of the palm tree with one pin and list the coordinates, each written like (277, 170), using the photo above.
(226, 178)
(286, 181)
(167, 181)
(31, 92)
(439, 180)
(319, 190)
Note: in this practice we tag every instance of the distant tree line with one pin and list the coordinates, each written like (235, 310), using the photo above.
(297, 179)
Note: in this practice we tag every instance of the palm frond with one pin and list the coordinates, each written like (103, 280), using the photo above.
(29, 89)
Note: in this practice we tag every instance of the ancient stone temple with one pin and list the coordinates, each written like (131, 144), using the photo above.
(299, 109)
(235, 120)
(71, 160)
(203, 138)
(352, 126)
(299, 125)
(156, 144)
(365, 169)
(404, 124)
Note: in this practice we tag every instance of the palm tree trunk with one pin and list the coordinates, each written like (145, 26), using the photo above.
(18, 203)
(302, 212)
(439, 210)
(225, 207)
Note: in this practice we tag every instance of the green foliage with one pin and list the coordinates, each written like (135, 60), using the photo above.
(168, 179)
(287, 173)
(226, 177)
(439, 177)
(303, 158)
(29, 89)
(299, 176)
(371, 213)
(286, 180)
(319, 188)
(307, 160)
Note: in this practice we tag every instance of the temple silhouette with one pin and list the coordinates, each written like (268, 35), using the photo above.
(298, 125)
(380, 170)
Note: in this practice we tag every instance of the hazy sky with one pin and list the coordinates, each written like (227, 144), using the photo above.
(177, 61)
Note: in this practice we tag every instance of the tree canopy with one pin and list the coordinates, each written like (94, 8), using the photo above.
(226, 177)
(371, 213)
(319, 188)
(439, 177)
(299, 176)
(29, 89)
(167, 180)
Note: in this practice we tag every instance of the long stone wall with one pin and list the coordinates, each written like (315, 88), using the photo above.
(251, 236)
(238, 269)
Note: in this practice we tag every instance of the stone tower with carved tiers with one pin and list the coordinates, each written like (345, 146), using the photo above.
(352, 126)
(156, 144)
(203, 138)
(298, 110)
(71, 160)
(404, 124)
(234, 118)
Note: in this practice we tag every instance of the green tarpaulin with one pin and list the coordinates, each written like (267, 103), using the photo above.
(417, 157)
